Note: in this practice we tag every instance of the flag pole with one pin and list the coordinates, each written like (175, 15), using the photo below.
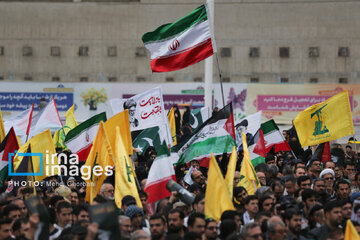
(220, 76)
(209, 64)
(254, 185)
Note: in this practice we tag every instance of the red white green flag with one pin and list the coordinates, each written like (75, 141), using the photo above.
(176, 45)
(273, 136)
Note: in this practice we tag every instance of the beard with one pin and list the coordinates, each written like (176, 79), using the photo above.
(174, 229)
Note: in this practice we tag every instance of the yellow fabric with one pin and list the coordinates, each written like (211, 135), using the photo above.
(124, 178)
(100, 155)
(2, 128)
(325, 121)
(171, 117)
(41, 143)
(350, 231)
(120, 120)
(70, 123)
(230, 173)
(248, 178)
(217, 198)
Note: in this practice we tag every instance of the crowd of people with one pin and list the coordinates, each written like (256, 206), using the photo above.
(300, 197)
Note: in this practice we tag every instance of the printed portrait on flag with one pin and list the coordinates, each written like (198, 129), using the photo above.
(131, 105)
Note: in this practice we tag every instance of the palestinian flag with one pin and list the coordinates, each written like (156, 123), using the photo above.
(160, 173)
(79, 139)
(8, 145)
(216, 135)
(322, 152)
(273, 137)
(176, 45)
(257, 150)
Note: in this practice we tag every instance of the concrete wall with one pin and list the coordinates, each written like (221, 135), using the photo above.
(238, 25)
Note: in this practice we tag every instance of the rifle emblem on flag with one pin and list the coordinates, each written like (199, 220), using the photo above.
(320, 127)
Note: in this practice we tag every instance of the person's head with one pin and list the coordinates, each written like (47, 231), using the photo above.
(136, 215)
(277, 231)
(270, 159)
(316, 215)
(143, 198)
(240, 194)
(127, 201)
(80, 212)
(242, 126)
(342, 190)
(125, 226)
(315, 166)
(319, 185)
(329, 176)
(196, 223)
(330, 165)
(338, 170)
(198, 177)
(251, 231)
(176, 220)
(236, 178)
(227, 227)
(262, 178)
(131, 105)
(300, 171)
(290, 185)
(199, 203)
(308, 197)
(21, 228)
(251, 204)
(23, 209)
(210, 229)
(357, 179)
(233, 215)
(107, 191)
(158, 226)
(140, 235)
(195, 164)
(261, 217)
(277, 188)
(333, 214)
(346, 209)
(266, 204)
(349, 168)
(74, 197)
(292, 219)
(12, 211)
(5, 228)
(63, 214)
(304, 182)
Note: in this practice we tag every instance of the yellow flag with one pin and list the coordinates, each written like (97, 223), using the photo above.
(230, 173)
(70, 123)
(217, 198)
(248, 178)
(41, 145)
(350, 231)
(171, 117)
(120, 120)
(100, 157)
(325, 121)
(2, 128)
(124, 179)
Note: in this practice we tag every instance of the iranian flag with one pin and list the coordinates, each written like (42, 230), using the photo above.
(79, 139)
(273, 136)
(8, 145)
(182, 43)
(161, 171)
(216, 135)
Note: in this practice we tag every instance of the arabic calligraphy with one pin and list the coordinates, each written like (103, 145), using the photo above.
(157, 110)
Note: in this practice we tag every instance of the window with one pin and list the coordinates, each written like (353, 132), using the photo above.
(140, 52)
(254, 52)
(55, 51)
(112, 51)
(83, 79)
(343, 80)
(83, 51)
(313, 80)
(284, 80)
(28, 78)
(2, 50)
(112, 79)
(343, 52)
(140, 79)
(55, 79)
(284, 52)
(169, 79)
(314, 52)
(225, 52)
(254, 80)
(198, 79)
(27, 51)
(225, 79)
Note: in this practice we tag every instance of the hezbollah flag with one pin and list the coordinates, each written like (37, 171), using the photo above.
(217, 197)
(325, 121)
(171, 117)
(230, 173)
(41, 145)
(124, 178)
(70, 123)
(248, 178)
(2, 128)
(120, 120)
(350, 231)
(100, 156)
